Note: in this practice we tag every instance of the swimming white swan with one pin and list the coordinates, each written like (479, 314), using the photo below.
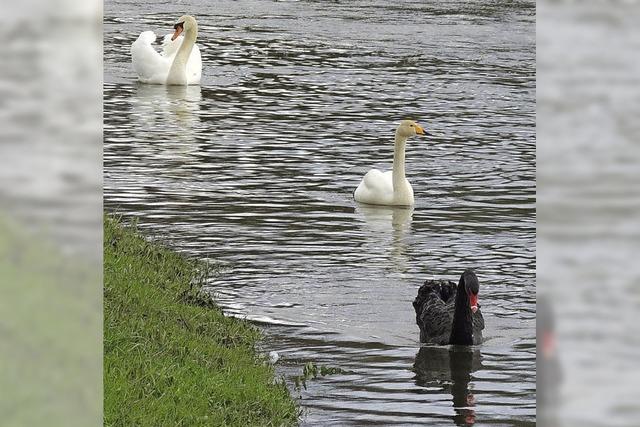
(390, 188)
(178, 64)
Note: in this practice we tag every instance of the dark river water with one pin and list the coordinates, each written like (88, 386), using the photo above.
(255, 170)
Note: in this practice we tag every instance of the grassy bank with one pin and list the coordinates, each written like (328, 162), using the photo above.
(170, 356)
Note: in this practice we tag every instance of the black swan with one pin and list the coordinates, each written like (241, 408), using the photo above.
(447, 314)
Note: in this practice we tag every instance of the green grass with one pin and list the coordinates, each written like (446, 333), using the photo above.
(51, 332)
(170, 356)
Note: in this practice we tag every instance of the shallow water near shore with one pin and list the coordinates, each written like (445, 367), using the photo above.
(256, 167)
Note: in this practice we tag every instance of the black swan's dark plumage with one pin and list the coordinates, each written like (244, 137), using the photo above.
(443, 313)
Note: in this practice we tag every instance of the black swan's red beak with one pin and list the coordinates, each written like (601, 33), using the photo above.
(473, 302)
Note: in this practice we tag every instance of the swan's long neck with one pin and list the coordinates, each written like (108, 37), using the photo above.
(178, 70)
(398, 163)
(462, 328)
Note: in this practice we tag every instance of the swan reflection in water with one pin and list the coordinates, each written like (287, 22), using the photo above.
(450, 368)
(166, 119)
(165, 107)
(388, 227)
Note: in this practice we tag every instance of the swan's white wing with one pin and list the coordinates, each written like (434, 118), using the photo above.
(375, 188)
(170, 47)
(194, 66)
(147, 62)
(378, 181)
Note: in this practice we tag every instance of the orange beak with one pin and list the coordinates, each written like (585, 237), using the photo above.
(419, 130)
(179, 29)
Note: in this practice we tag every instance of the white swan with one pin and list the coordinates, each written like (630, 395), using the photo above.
(178, 64)
(390, 188)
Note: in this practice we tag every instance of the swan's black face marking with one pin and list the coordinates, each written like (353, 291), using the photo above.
(179, 27)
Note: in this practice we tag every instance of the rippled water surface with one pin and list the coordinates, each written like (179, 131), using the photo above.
(255, 169)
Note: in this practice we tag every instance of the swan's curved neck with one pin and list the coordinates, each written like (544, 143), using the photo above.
(398, 163)
(178, 70)
(462, 328)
